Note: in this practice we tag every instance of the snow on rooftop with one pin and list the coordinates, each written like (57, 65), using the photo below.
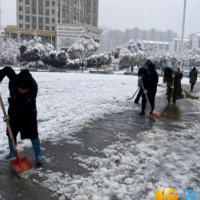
(185, 40)
(155, 42)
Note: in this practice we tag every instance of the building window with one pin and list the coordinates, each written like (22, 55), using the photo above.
(47, 28)
(53, 28)
(47, 20)
(34, 11)
(20, 16)
(47, 3)
(40, 27)
(20, 0)
(20, 25)
(20, 8)
(40, 11)
(53, 20)
(27, 2)
(41, 19)
(47, 12)
(27, 26)
(27, 18)
(53, 11)
(33, 27)
(53, 3)
(33, 19)
(27, 10)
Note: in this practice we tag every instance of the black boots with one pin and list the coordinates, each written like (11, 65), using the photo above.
(142, 113)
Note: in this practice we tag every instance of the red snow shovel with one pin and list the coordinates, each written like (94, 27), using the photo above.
(20, 164)
(152, 115)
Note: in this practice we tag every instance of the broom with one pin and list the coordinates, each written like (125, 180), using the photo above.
(171, 110)
(188, 95)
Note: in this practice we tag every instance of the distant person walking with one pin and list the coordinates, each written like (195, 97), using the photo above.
(193, 77)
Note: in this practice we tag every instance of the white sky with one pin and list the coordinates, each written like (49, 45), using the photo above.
(145, 14)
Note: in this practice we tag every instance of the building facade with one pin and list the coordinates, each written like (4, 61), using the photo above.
(152, 35)
(155, 46)
(175, 45)
(195, 41)
(110, 40)
(42, 17)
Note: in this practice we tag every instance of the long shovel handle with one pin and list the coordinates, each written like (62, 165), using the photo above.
(171, 98)
(146, 96)
(134, 94)
(9, 129)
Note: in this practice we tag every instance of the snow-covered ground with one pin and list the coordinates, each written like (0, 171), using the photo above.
(68, 102)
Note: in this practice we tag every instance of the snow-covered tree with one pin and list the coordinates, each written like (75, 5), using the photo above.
(130, 54)
(9, 49)
(34, 50)
(82, 49)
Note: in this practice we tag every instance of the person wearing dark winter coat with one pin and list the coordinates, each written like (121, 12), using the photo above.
(150, 82)
(22, 109)
(193, 77)
(168, 78)
(140, 73)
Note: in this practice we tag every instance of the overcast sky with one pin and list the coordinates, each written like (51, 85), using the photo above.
(145, 14)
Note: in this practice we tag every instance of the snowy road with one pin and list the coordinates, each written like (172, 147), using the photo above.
(68, 102)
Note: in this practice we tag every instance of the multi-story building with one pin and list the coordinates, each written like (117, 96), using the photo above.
(175, 45)
(155, 46)
(195, 41)
(128, 34)
(92, 12)
(110, 40)
(49, 18)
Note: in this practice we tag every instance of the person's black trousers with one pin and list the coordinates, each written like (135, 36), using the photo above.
(192, 86)
(139, 95)
(151, 98)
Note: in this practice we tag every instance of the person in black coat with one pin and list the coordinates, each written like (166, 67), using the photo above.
(22, 109)
(150, 82)
(140, 73)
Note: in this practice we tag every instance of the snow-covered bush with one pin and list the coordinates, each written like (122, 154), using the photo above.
(55, 59)
(98, 60)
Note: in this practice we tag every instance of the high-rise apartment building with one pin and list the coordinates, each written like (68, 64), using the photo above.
(110, 40)
(92, 16)
(41, 16)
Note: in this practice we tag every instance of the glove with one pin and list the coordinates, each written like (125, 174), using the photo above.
(145, 91)
(139, 78)
(173, 75)
(172, 87)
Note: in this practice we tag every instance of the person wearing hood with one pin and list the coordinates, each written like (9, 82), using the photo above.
(22, 110)
(168, 78)
(140, 73)
(193, 77)
(150, 82)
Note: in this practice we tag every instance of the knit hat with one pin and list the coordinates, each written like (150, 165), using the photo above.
(24, 79)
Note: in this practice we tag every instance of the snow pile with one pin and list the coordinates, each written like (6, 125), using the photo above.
(135, 170)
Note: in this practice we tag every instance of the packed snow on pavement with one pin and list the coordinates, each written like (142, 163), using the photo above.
(68, 102)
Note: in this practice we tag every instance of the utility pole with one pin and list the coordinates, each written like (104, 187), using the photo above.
(0, 15)
(0, 35)
(183, 28)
